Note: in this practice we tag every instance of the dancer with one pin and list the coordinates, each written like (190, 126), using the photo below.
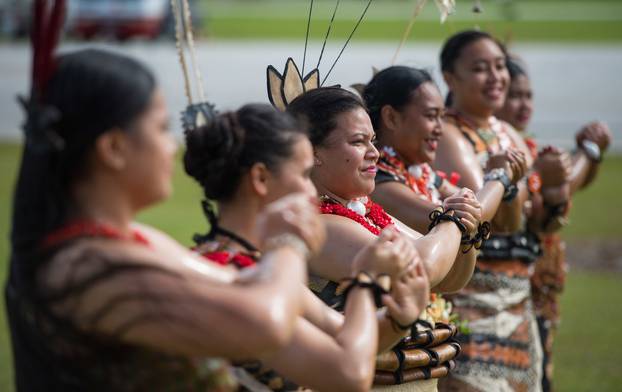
(406, 110)
(499, 352)
(343, 172)
(547, 281)
(246, 159)
(96, 301)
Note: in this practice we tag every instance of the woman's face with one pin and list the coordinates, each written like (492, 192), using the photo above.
(518, 105)
(151, 155)
(294, 173)
(420, 126)
(346, 161)
(480, 79)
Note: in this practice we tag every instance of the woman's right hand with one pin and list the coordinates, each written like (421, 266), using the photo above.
(553, 165)
(389, 254)
(512, 160)
(295, 214)
(597, 132)
(409, 295)
(466, 207)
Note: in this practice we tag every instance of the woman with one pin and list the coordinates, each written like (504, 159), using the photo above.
(499, 353)
(343, 172)
(96, 301)
(548, 279)
(406, 110)
(244, 161)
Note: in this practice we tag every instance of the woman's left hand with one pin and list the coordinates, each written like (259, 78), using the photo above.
(409, 295)
(466, 207)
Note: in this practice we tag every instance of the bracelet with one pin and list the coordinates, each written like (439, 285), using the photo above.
(483, 233)
(379, 286)
(591, 150)
(500, 175)
(288, 240)
(439, 214)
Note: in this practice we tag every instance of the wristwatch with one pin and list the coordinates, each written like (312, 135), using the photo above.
(592, 150)
(499, 174)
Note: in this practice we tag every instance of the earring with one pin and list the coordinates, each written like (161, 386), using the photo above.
(316, 161)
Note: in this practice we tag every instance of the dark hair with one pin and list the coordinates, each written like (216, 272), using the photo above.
(320, 107)
(452, 49)
(515, 68)
(392, 86)
(90, 92)
(219, 154)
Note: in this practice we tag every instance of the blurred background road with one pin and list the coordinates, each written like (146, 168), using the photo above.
(573, 83)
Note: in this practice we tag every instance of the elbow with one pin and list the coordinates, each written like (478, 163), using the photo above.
(273, 327)
(281, 321)
(452, 286)
(357, 377)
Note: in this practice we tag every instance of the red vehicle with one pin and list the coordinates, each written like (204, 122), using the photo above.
(122, 19)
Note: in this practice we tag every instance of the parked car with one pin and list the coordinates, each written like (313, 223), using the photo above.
(124, 19)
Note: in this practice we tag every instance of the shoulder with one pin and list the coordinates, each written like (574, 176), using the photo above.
(453, 137)
(88, 257)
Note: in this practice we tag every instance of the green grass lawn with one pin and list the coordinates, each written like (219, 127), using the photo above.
(567, 21)
(585, 351)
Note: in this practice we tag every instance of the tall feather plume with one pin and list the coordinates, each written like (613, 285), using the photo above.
(46, 29)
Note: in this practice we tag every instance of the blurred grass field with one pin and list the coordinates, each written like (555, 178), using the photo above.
(557, 20)
(586, 353)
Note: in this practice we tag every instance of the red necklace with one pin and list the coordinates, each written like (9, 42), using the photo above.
(76, 229)
(374, 220)
(239, 260)
(390, 163)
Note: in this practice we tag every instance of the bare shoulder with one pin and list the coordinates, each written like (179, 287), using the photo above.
(453, 139)
(87, 257)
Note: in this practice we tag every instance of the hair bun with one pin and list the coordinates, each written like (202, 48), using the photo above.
(212, 153)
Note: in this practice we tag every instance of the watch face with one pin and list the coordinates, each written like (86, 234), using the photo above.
(591, 149)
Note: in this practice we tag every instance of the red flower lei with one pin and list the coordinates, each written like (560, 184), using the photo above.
(77, 229)
(374, 220)
(393, 165)
(237, 259)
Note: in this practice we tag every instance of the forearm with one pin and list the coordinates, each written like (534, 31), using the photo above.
(489, 197)
(509, 216)
(460, 273)
(438, 250)
(279, 283)
(320, 315)
(583, 172)
(388, 337)
(344, 362)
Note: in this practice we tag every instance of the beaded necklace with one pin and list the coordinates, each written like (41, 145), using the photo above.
(485, 141)
(84, 228)
(420, 178)
(375, 218)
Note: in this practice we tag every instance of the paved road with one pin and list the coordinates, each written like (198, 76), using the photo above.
(573, 83)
